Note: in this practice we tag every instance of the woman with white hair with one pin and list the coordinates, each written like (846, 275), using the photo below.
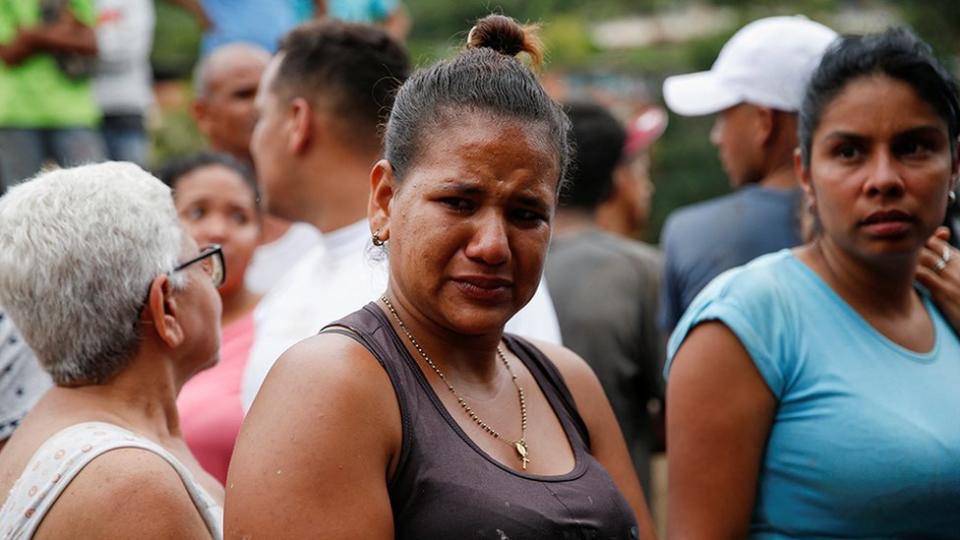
(121, 308)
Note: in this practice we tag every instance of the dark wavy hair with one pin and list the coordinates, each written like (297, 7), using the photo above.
(896, 53)
(172, 171)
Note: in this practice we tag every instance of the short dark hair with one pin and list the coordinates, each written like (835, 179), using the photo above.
(896, 53)
(173, 170)
(485, 77)
(597, 139)
(354, 69)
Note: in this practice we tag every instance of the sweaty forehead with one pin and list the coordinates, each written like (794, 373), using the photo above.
(485, 138)
(488, 155)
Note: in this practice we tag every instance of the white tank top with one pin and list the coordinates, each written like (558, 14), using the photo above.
(55, 464)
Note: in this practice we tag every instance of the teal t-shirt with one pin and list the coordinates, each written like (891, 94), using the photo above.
(368, 11)
(866, 438)
(35, 93)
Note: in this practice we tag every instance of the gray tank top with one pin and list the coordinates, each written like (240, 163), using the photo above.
(445, 486)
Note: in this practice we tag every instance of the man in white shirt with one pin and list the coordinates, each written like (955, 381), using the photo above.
(320, 102)
(226, 82)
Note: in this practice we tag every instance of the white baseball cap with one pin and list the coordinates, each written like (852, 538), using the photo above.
(768, 63)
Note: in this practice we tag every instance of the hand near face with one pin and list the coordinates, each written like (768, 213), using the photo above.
(944, 284)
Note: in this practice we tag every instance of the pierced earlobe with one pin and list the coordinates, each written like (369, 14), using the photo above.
(377, 239)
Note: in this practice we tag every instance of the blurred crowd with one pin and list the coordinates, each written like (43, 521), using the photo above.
(77, 82)
(415, 303)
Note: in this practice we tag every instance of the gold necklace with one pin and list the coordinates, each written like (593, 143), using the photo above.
(520, 445)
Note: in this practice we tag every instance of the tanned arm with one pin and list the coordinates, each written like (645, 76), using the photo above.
(317, 448)
(67, 34)
(719, 414)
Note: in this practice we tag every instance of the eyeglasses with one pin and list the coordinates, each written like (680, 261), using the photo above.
(213, 264)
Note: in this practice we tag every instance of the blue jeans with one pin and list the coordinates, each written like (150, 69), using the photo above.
(23, 151)
(125, 137)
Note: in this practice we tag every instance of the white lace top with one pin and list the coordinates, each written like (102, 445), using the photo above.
(55, 464)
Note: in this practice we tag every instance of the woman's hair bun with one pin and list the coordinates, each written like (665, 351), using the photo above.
(506, 36)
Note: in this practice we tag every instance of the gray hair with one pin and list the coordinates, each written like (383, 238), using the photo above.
(78, 250)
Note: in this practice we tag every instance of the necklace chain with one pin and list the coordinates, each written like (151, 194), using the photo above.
(520, 445)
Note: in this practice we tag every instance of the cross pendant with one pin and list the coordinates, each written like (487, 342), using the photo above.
(521, 448)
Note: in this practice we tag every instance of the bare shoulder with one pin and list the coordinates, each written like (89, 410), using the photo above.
(327, 394)
(577, 374)
(125, 493)
(320, 364)
(318, 387)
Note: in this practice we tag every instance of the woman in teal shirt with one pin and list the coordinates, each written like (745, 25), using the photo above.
(814, 393)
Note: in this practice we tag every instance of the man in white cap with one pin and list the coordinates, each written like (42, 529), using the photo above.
(756, 87)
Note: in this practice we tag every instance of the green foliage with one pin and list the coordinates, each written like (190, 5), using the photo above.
(442, 20)
(567, 42)
(173, 131)
(685, 169)
(937, 21)
(701, 53)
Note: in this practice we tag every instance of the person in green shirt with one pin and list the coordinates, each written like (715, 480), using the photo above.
(47, 108)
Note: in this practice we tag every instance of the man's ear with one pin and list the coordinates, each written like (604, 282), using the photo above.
(617, 196)
(621, 181)
(200, 111)
(382, 189)
(766, 125)
(300, 129)
(163, 311)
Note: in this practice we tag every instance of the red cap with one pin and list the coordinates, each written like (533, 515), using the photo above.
(644, 129)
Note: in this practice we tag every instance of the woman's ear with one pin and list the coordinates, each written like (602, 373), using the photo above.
(382, 190)
(803, 176)
(163, 311)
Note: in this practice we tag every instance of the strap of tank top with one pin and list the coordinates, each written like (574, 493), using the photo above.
(74, 464)
(555, 384)
(360, 327)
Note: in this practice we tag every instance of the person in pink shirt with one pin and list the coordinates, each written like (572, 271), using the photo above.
(217, 200)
